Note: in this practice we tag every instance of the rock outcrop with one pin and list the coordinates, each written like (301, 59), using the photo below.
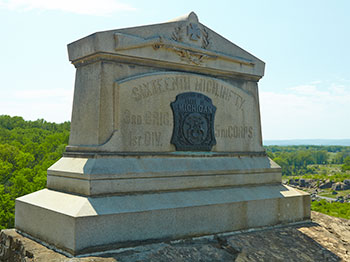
(324, 238)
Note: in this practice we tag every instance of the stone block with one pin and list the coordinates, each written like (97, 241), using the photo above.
(115, 175)
(79, 224)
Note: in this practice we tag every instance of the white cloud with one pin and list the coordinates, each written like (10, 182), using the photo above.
(316, 82)
(309, 90)
(87, 7)
(306, 111)
(338, 89)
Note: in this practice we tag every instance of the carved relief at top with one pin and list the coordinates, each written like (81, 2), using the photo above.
(189, 40)
(205, 39)
(176, 35)
(193, 33)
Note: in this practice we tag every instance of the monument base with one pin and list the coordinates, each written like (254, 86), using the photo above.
(79, 224)
(106, 175)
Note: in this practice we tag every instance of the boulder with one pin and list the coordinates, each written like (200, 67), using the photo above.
(337, 186)
(340, 186)
(302, 182)
(326, 184)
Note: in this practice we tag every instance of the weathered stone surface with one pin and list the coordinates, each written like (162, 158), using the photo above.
(169, 43)
(165, 143)
(127, 78)
(96, 176)
(143, 119)
(324, 239)
(95, 222)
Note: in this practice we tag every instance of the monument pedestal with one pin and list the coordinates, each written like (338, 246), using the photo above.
(168, 198)
(120, 174)
(79, 224)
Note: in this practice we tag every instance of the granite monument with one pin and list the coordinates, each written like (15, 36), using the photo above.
(165, 143)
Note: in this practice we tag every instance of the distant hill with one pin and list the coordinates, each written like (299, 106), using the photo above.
(296, 142)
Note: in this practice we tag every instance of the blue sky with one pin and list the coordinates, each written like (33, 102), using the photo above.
(305, 93)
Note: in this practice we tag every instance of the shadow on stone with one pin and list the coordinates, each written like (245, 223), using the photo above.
(324, 239)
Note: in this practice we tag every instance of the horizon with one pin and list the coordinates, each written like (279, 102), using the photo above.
(305, 91)
(270, 141)
(307, 142)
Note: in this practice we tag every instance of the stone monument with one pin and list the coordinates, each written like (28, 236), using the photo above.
(165, 143)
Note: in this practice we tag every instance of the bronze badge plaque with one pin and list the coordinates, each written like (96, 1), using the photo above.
(193, 122)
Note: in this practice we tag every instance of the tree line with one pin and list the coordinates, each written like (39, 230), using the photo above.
(296, 160)
(27, 150)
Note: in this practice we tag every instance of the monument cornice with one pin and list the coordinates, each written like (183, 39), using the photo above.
(121, 58)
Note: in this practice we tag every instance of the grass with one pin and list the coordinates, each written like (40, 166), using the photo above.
(323, 172)
(333, 209)
(328, 193)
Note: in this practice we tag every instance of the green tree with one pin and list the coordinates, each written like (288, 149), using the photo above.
(346, 165)
(283, 163)
(320, 156)
(7, 206)
(27, 149)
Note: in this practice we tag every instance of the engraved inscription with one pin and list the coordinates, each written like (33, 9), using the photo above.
(212, 87)
(151, 118)
(150, 138)
(155, 115)
(158, 86)
(157, 118)
(186, 83)
(193, 122)
(237, 132)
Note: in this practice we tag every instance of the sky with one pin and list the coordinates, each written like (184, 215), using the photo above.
(305, 93)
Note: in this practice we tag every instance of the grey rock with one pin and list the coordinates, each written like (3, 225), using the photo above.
(339, 186)
(347, 182)
(302, 182)
(326, 184)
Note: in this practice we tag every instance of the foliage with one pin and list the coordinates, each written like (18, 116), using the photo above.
(339, 177)
(346, 165)
(27, 149)
(335, 209)
(297, 160)
(328, 192)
